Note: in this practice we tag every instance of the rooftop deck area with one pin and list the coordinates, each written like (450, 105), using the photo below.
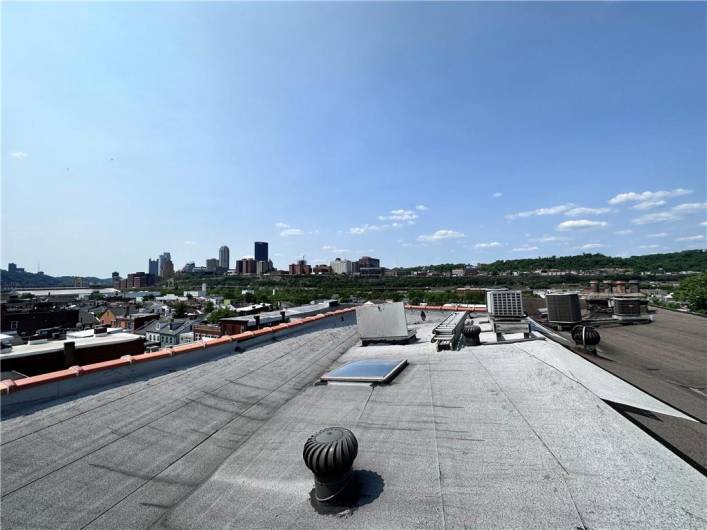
(495, 436)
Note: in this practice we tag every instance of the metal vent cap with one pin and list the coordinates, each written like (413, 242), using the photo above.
(329, 454)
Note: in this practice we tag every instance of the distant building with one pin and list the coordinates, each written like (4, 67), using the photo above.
(131, 322)
(300, 268)
(224, 258)
(370, 271)
(261, 251)
(12, 267)
(137, 280)
(368, 262)
(341, 266)
(189, 267)
(261, 267)
(247, 266)
(153, 267)
(206, 331)
(321, 269)
(211, 265)
(170, 333)
(166, 266)
(116, 280)
(28, 322)
(78, 281)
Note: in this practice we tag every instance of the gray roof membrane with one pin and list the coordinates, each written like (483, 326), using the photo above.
(485, 437)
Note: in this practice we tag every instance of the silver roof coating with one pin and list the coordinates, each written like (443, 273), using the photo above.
(489, 437)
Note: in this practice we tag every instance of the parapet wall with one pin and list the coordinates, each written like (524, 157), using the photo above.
(78, 378)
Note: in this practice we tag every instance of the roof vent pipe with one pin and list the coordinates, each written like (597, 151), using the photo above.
(329, 454)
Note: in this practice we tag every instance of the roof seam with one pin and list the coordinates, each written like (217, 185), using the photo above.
(217, 430)
(150, 387)
(434, 429)
(520, 413)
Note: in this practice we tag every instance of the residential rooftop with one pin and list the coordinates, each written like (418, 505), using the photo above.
(80, 342)
(504, 435)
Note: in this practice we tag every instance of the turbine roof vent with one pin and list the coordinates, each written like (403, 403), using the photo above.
(329, 454)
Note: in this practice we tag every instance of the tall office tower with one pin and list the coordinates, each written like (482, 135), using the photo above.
(153, 267)
(261, 251)
(165, 258)
(224, 258)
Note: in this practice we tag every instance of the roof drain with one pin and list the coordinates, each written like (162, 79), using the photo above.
(329, 454)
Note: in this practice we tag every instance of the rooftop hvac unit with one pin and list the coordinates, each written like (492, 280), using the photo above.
(505, 304)
(563, 308)
(627, 307)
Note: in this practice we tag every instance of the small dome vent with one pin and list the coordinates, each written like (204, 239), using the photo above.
(586, 336)
(329, 454)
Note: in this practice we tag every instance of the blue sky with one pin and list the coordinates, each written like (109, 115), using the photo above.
(417, 133)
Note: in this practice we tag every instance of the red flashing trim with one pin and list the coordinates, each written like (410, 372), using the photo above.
(9, 385)
(106, 365)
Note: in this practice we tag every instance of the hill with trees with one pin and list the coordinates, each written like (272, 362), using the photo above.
(25, 279)
(687, 260)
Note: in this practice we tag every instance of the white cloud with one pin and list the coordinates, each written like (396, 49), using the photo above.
(333, 249)
(623, 232)
(492, 244)
(576, 212)
(690, 207)
(497, 195)
(649, 246)
(589, 246)
(581, 224)
(647, 196)
(659, 217)
(289, 232)
(421, 207)
(282, 225)
(659, 234)
(691, 238)
(440, 234)
(647, 205)
(552, 210)
(547, 239)
(399, 215)
(524, 249)
(703, 223)
(360, 230)
(674, 214)
(19, 155)
(191, 243)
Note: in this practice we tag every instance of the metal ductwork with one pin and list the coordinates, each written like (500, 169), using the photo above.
(329, 454)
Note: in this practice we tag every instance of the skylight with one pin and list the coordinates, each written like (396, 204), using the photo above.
(373, 371)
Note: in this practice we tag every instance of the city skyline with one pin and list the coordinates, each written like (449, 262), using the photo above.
(465, 133)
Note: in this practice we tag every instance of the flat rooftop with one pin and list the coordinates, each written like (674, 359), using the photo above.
(493, 436)
(667, 359)
(50, 346)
